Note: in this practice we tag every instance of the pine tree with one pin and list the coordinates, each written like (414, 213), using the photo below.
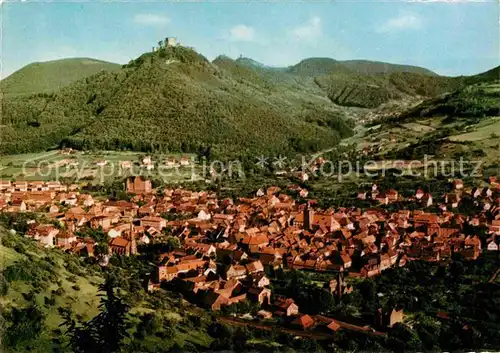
(106, 331)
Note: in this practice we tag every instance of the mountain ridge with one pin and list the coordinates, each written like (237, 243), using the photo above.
(175, 99)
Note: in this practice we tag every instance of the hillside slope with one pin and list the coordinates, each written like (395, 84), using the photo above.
(41, 121)
(472, 101)
(317, 67)
(372, 90)
(462, 124)
(490, 75)
(43, 77)
(37, 285)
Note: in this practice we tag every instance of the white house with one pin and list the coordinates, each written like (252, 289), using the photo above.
(45, 234)
(144, 239)
(492, 246)
(203, 215)
(118, 230)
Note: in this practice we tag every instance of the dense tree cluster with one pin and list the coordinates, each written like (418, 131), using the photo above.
(423, 289)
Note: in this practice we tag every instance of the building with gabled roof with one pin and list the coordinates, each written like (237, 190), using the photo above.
(304, 322)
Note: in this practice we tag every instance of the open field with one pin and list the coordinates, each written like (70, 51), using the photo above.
(481, 131)
(418, 127)
(99, 166)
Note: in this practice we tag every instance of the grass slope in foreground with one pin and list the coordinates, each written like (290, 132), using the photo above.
(37, 285)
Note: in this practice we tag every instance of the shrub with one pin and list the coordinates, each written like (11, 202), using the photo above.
(31, 270)
(20, 248)
(4, 286)
(59, 291)
(26, 324)
(30, 296)
(50, 301)
(74, 268)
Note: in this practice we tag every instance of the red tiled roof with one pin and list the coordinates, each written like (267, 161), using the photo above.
(119, 241)
(304, 321)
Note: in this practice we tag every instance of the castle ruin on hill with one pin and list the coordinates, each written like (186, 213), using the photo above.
(167, 43)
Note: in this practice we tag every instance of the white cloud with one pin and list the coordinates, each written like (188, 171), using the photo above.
(151, 19)
(242, 33)
(401, 22)
(310, 30)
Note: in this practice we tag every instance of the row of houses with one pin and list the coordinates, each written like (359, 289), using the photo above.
(148, 163)
(7, 186)
(484, 196)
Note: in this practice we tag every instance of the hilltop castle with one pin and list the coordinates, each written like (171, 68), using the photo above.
(170, 42)
(167, 43)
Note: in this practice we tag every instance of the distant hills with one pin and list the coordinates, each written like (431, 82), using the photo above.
(318, 67)
(378, 67)
(176, 100)
(43, 77)
(367, 84)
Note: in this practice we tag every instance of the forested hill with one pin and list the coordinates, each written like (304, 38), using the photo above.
(43, 77)
(175, 99)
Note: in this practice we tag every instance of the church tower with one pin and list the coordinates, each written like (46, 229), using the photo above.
(133, 244)
(308, 217)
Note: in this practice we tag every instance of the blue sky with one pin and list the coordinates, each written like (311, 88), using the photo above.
(451, 38)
